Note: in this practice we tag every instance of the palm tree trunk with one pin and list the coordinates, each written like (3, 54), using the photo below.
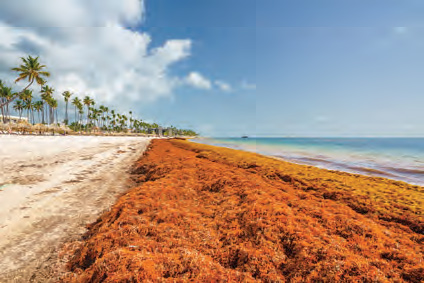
(66, 113)
(2, 115)
(88, 113)
(7, 112)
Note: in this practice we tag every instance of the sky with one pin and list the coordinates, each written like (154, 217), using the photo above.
(340, 68)
(233, 67)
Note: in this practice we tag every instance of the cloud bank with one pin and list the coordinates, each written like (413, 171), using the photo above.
(90, 50)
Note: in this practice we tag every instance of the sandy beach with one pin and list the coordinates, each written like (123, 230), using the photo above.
(50, 188)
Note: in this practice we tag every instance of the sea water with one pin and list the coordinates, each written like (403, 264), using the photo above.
(394, 158)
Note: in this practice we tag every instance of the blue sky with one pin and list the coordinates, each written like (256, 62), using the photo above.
(234, 67)
(340, 68)
(323, 68)
(223, 46)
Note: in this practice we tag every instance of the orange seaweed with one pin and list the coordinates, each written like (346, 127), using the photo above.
(203, 213)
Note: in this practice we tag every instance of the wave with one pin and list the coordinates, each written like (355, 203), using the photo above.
(372, 171)
(376, 163)
(406, 170)
(413, 176)
(334, 165)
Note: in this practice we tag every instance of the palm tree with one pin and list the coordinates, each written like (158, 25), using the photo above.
(53, 105)
(19, 107)
(39, 106)
(6, 95)
(66, 96)
(26, 96)
(107, 114)
(46, 95)
(32, 70)
(102, 111)
(76, 102)
(28, 107)
(81, 112)
(88, 102)
(96, 116)
(2, 100)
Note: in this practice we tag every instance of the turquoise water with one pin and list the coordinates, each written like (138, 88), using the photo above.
(395, 158)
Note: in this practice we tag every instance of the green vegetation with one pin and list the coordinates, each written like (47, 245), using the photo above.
(87, 118)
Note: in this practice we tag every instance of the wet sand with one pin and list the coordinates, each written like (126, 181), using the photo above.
(50, 188)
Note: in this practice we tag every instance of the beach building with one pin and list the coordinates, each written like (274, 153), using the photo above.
(161, 131)
(155, 131)
(14, 119)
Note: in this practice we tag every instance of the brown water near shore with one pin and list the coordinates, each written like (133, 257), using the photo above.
(204, 213)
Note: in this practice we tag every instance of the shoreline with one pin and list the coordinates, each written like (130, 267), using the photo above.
(203, 212)
(361, 171)
(386, 171)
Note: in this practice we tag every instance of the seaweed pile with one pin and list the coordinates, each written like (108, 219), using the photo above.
(203, 213)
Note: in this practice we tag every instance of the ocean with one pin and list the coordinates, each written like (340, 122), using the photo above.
(394, 158)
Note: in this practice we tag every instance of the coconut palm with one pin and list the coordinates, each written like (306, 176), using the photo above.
(66, 96)
(75, 102)
(2, 100)
(96, 115)
(6, 95)
(53, 105)
(80, 112)
(26, 97)
(39, 106)
(46, 95)
(88, 102)
(28, 108)
(107, 114)
(19, 107)
(102, 111)
(31, 70)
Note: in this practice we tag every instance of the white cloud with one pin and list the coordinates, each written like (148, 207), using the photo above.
(197, 80)
(223, 86)
(92, 53)
(248, 86)
(71, 13)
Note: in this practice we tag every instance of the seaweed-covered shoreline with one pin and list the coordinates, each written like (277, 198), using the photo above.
(205, 213)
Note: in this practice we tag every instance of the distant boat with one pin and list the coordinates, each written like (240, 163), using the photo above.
(244, 137)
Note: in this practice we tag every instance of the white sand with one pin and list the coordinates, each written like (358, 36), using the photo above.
(50, 188)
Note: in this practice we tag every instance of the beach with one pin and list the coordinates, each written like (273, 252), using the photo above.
(50, 188)
(204, 213)
(119, 209)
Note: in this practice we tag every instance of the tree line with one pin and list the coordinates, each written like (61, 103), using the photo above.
(86, 117)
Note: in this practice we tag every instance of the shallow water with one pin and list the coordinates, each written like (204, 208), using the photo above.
(395, 158)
